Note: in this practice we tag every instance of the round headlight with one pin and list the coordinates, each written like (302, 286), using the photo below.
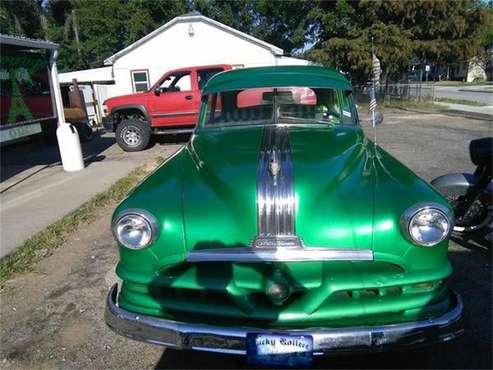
(135, 229)
(426, 225)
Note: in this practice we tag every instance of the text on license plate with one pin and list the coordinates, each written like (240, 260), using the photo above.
(277, 349)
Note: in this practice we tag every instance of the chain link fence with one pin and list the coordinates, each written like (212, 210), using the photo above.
(417, 92)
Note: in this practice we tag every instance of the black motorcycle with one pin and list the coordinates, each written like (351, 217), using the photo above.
(471, 194)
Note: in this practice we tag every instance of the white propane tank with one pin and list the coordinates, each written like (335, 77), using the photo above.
(69, 144)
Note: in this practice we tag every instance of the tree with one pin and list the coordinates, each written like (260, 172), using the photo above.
(485, 41)
(282, 24)
(90, 31)
(404, 32)
(333, 33)
(22, 18)
(236, 14)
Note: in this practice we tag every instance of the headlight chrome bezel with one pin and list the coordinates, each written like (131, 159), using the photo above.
(411, 212)
(147, 216)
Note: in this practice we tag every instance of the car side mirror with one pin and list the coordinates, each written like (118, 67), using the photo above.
(378, 118)
(157, 91)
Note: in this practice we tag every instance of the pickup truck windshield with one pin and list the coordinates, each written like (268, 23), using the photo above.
(288, 105)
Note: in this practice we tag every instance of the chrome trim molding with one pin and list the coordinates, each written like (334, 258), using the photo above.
(275, 189)
(164, 131)
(282, 241)
(283, 254)
(413, 210)
(232, 340)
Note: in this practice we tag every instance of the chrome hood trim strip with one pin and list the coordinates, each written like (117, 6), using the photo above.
(283, 254)
(275, 191)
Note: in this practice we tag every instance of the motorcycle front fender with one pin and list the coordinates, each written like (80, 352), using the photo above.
(454, 182)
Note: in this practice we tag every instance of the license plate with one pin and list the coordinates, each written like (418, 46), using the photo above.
(280, 350)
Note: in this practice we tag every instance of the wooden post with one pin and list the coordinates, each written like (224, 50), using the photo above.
(95, 103)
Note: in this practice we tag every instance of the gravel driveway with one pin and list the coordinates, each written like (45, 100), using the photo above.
(53, 316)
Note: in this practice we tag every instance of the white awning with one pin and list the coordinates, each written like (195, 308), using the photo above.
(95, 75)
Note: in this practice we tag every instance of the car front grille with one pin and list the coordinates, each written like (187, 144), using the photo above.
(330, 292)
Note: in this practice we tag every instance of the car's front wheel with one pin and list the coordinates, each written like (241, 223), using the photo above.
(133, 135)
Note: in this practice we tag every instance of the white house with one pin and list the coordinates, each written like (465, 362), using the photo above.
(188, 40)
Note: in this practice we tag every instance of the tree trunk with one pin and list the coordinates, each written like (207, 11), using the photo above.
(66, 27)
(17, 25)
(75, 27)
(42, 18)
(386, 96)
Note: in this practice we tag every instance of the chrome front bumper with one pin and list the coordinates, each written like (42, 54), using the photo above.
(325, 340)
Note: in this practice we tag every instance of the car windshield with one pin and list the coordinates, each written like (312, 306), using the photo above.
(287, 105)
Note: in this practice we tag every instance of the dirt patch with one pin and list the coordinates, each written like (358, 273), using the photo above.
(74, 333)
(53, 317)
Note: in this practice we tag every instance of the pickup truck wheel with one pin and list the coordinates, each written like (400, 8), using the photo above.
(133, 135)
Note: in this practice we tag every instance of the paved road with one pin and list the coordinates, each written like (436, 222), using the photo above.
(464, 93)
(35, 191)
(53, 317)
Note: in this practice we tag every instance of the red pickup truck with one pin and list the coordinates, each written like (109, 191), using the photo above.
(170, 106)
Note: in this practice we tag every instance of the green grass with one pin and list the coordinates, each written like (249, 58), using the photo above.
(460, 101)
(425, 106)
(47, 240)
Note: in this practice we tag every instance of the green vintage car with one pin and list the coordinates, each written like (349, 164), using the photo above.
(279, 229)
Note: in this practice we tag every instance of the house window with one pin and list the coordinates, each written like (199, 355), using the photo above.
(140, 80)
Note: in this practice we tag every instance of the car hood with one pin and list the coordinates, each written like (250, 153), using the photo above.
(125, 99)
(333, 187)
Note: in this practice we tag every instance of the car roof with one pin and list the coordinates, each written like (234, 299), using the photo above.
(277, 76)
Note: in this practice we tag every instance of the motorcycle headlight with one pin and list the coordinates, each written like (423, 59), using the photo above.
(426, 224)
(135, 229)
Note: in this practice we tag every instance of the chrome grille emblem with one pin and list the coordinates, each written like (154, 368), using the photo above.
(275, 192)
(274, 166)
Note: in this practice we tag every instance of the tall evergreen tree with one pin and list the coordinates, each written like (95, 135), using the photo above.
(404, 32)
